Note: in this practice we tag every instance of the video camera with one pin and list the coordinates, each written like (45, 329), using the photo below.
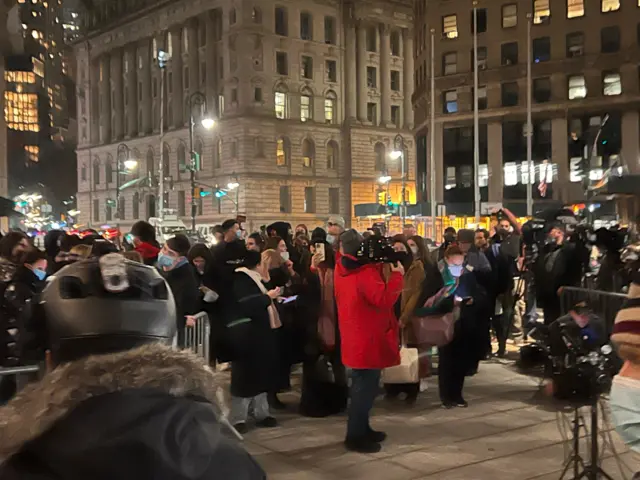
(378, 249)
(576, 354)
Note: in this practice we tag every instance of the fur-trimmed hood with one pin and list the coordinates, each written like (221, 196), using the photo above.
(155, 367)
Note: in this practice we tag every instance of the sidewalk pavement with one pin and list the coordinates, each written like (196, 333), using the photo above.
(508, 432)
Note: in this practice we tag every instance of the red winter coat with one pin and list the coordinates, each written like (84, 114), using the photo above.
(368, 325)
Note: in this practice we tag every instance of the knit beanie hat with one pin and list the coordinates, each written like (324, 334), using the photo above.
(627, 325)
(351, 241)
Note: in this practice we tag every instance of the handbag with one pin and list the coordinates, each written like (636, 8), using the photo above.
(435, 330)
(323, 370)
(409, 369)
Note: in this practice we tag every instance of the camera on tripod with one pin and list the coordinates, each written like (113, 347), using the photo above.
(378, 249)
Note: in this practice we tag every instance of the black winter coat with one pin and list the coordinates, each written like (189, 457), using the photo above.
(254, 367)
(186, 292)
(146, 414)
(22, 334)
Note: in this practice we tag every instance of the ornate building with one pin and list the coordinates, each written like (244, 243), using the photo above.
(308, 97)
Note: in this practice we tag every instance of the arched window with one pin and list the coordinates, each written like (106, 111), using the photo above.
(306, 105)
(169, 44)
(256, 15)
(332, 155)
(135, 206)
(283, 152)
(218, 153)
(151, 164)
(281, 102)
(83, 173)
(381, 154)
(96, 172)
(182, 158)
(330, 107)
(308, 153)
(166, 162)
(151, 205)
(198, 148)
(108, 171)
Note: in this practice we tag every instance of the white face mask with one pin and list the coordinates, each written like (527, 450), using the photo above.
(285, 256)
(414, 249)
(624, 401)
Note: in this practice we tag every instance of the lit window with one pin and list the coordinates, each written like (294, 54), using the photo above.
(577, 87)
(483, 175)
(329, 108)
(575, 173)
(510, 174)
(611, 84)
(610, 5)
(510, 15)
(32, 152)
(450, 26)
(281, 105)
(575, 8)
(451, 101)
(450, 178)
(34, 34)
(308, 153)
(220, 104)
(281, 153)
(154, 49)
(541, 11)
(21, 111)
(305, 107)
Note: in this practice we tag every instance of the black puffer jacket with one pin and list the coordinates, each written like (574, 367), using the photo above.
(146, 414)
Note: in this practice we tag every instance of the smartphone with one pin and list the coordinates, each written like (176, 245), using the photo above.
(464, 300)
(129, 238)
(320, 251)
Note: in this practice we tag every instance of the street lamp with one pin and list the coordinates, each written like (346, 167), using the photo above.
(200, 100)
(398, 154)
(124, 164)
(234, 184)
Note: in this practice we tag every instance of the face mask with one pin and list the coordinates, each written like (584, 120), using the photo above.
(455, 270)
(449, 238)
(331, 239)
(41, 274)
(285, 256)
(165, 261)
(414, 250)
(625, 408)
(239, 234)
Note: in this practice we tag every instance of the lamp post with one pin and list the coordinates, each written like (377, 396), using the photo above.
(123, 165)
(163, 58)
(398, 154)
(196, 99)
(234, 184)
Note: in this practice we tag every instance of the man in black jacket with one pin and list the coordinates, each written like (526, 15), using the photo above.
(121, 403)
(228, 255)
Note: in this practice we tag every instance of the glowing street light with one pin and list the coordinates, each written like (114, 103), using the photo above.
(395, 154)
(130, 164)
(208, 123)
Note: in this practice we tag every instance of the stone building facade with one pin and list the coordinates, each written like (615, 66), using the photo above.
(585, 57)
(308, 97)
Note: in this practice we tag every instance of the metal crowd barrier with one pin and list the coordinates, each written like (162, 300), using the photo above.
(23, 375)
(196, 338)
(604, 304)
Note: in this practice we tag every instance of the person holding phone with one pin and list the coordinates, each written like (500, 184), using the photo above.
(457, 357)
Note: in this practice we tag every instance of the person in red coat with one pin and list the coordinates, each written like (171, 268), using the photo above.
(369, 334)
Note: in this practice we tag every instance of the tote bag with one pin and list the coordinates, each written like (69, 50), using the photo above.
(435, 330)
(408, 371)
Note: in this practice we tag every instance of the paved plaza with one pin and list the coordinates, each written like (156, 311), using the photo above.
(507, 433)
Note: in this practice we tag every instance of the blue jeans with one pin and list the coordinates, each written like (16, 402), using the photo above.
(363, 392)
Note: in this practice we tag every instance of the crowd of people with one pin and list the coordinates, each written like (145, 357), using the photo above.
(286, 296)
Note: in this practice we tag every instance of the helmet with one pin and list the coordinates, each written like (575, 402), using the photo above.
(106, 305)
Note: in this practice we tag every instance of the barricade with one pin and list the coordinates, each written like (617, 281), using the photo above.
(23, 375)
(604, 304)
(196, 338)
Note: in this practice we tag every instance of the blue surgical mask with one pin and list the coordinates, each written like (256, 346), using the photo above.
(239, 234)
(165, 260)
(455, 270)
(624, 401)
(41, 274)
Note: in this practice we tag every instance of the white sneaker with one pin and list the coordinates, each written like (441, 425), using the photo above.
(424, 385)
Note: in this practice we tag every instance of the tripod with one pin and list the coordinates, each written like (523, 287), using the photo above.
(591, 471)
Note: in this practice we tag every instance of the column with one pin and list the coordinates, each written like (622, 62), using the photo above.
(194, 65)
(385, 74)
(630, 146)
(211, 60)
(408, 75)
(94, 96)
(439, 161)
(145, 53)
(117, 109)
(351, 72)
(132, 92)
(105, 99)
(562, 190)
(495, 162)
(177, 87)
(361, 62)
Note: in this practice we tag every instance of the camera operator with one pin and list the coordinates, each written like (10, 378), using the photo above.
(369, 333)
(625, 392)
(509, 306)
(558, 265)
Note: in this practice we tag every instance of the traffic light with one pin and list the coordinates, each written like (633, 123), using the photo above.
(197, 192)
(382, 197)
(220, 193)
(195, 161)
(110, 202)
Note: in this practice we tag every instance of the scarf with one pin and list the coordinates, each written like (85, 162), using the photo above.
(274, 317)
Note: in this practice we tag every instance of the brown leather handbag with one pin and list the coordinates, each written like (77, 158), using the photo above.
(435, 330)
